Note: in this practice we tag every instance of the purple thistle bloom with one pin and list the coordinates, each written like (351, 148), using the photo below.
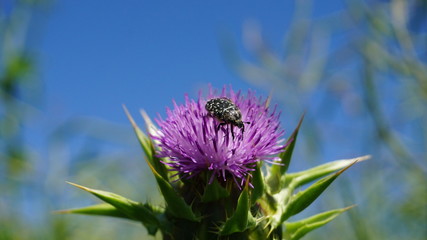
(191, 143)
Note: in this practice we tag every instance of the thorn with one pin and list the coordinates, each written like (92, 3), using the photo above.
(129, 116)
(350, 207)
(61, 212)
(344, 169)
(79, 186)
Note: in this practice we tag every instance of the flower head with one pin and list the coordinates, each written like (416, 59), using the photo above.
(194, 141)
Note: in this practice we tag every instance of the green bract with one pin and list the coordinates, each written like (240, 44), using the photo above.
(220, 210)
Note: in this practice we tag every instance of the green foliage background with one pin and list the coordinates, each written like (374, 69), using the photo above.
(374, 84)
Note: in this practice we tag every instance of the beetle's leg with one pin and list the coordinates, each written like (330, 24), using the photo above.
(219, 126)
(232, 131)
(243, 130)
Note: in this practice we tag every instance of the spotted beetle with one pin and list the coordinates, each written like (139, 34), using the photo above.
(227, 112)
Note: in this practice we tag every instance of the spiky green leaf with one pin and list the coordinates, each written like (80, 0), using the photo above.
(277, 171)
(176, 205)
(151, 128)
(300, 178)
(103, 209)
(241, 219)
(144, 213)
(258, 184)
(296, 230)
(147, 144)
(121, 203)
(214, 191)
(303, 199)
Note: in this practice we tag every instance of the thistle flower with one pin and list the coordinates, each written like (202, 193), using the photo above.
(194, 141)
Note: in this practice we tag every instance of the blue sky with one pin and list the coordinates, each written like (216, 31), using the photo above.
(97, 55)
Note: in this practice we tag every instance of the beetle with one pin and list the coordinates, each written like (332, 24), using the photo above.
(227, 112)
